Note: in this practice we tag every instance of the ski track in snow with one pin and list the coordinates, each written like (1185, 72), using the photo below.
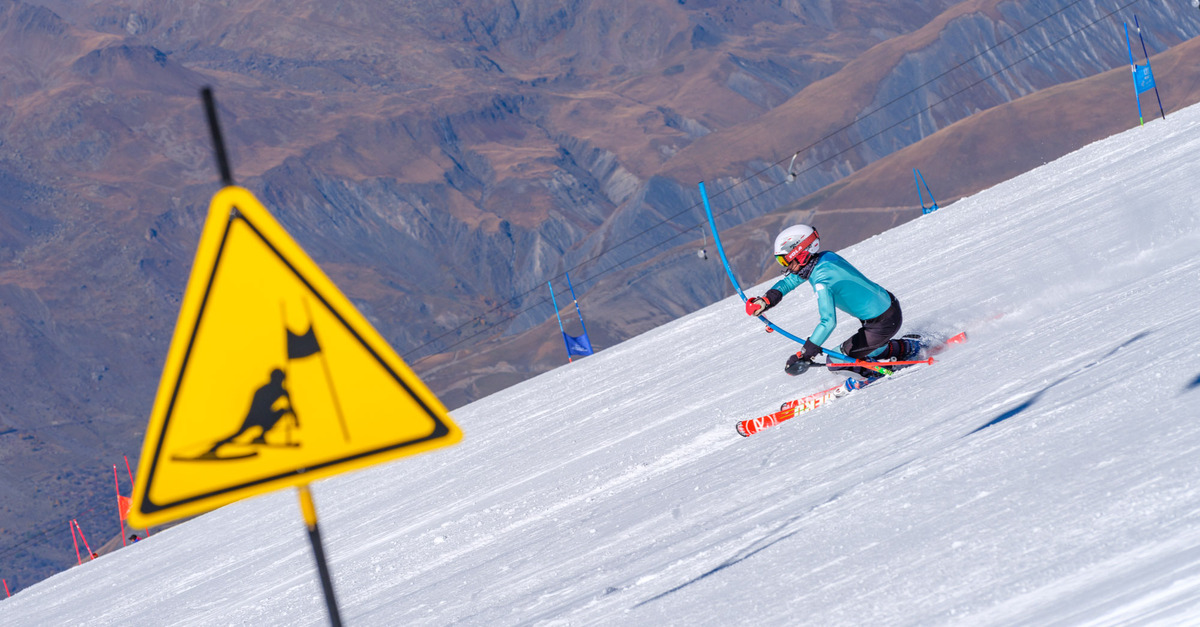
(1045, 472)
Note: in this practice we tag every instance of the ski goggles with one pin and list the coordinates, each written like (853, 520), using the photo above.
(798, 253)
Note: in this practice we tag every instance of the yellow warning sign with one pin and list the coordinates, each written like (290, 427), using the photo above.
(273, 378)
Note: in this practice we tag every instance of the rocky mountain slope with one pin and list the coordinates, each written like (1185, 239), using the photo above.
(443, 161)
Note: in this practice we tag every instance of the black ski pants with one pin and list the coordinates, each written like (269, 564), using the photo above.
(874, 333)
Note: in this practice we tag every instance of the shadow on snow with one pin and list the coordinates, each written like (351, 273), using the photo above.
(1034, 399)
(770, 539)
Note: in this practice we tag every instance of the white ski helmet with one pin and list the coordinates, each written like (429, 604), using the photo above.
(796, 243)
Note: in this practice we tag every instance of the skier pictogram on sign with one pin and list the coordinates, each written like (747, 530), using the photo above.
(273, 378)
(263, 415)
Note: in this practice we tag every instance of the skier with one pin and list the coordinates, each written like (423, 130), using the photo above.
(262, 412)
(838, 285)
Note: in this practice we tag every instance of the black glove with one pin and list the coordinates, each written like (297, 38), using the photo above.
(797, 365)
(810, 350)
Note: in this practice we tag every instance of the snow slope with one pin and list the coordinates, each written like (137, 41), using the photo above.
(1046, 472)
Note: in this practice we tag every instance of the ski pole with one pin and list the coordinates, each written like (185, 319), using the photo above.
(869, 364)
(882, 367)
(845, 360)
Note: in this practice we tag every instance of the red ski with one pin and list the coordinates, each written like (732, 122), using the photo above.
(789, 409)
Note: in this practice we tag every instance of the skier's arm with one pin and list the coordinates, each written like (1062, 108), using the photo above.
(828, 313)
(758, 305)
(788, 283)
(290, 409)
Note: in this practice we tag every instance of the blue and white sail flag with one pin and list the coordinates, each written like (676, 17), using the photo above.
(1143, 78)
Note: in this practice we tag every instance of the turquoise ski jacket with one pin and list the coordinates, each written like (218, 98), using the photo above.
(838, 285)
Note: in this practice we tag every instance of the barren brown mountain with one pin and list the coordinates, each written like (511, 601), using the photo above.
(443, 160)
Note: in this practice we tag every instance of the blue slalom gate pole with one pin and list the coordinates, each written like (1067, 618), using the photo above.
(560, 324)
(1147, 55)
(920, 198)
(919, 179)
(1133, 68)
(576, 301)
(712, 224)
(721, 249)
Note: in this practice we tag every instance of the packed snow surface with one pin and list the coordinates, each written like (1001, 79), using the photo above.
(1046, 472)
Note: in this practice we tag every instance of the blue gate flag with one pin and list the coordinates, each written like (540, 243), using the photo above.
(577, 345)
(1143, 78)
(924, 210)
(1149, 74)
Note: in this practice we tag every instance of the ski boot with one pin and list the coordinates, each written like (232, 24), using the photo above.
(852, 384)
(907, 348)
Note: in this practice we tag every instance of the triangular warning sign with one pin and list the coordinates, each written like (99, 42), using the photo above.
(273, 378)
